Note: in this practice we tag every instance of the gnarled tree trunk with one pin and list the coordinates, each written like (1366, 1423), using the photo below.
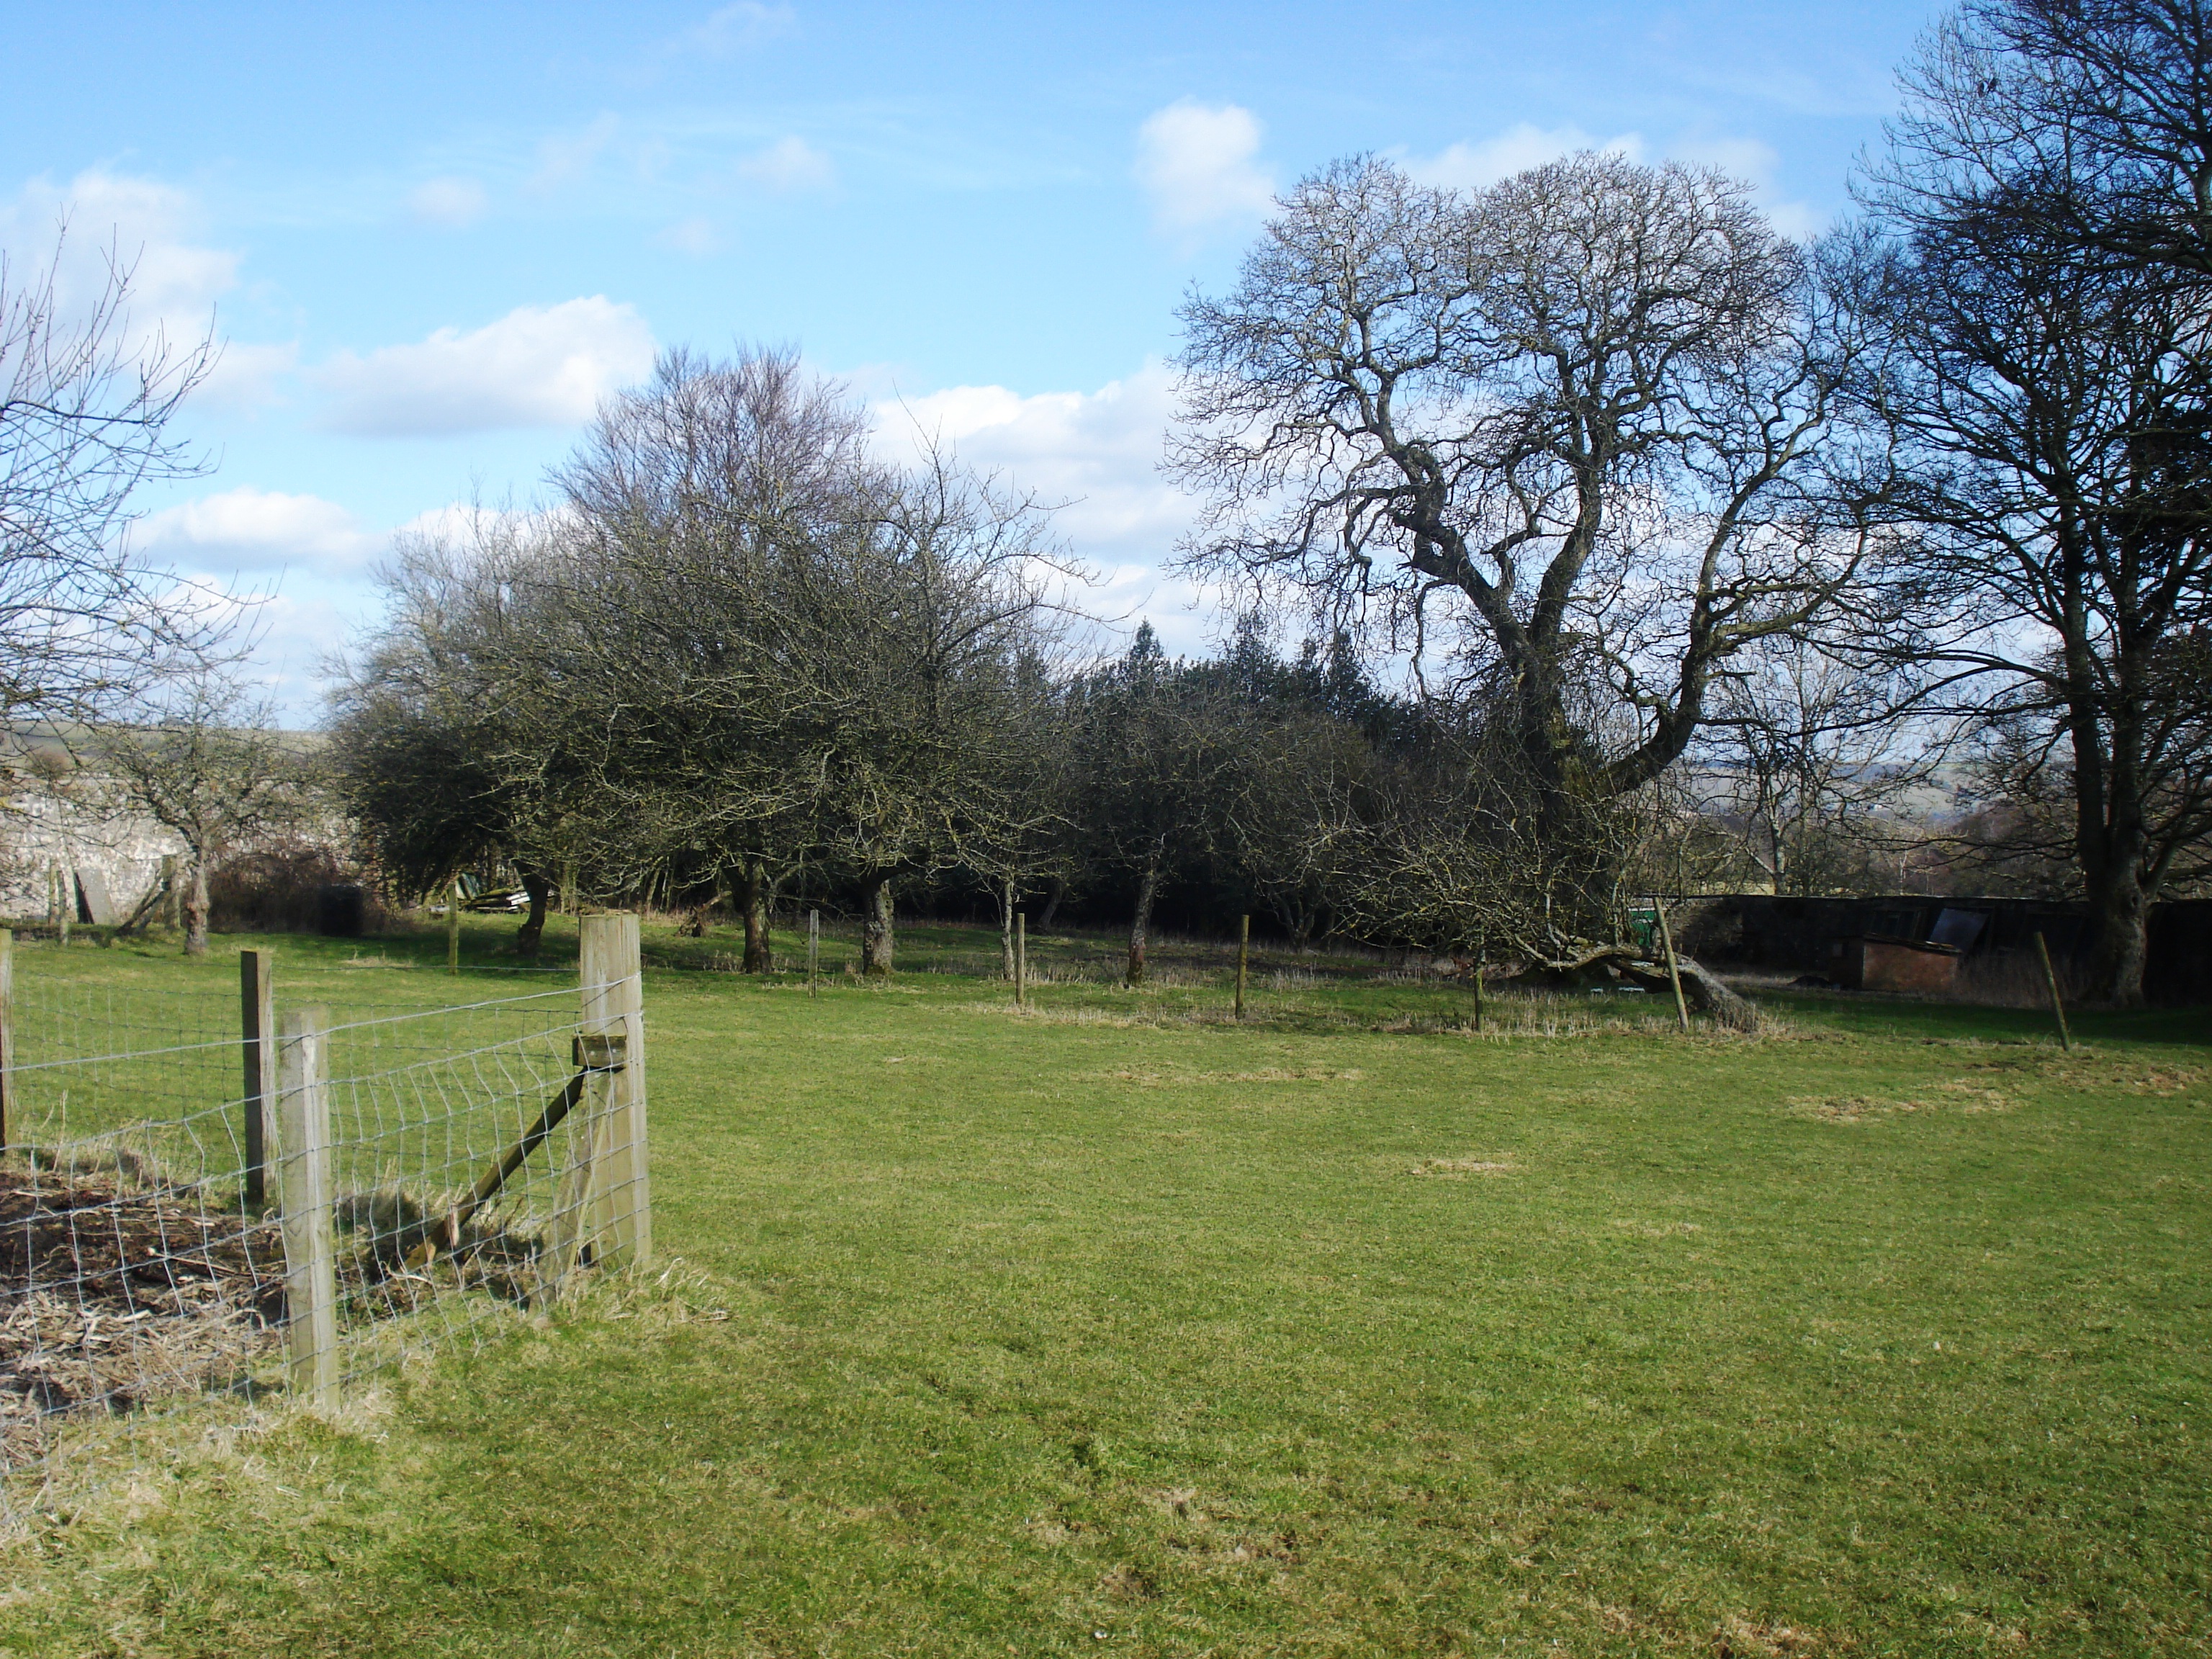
(876, 930)
(756, 951)
(533, 926)
(195, 909)
(1140, 926)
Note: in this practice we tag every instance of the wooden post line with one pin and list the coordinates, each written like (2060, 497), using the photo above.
(453, 926)
(257, 1024)
(1021, 958)
(614, 1000)
(2057, 1007)
(1243, 952)
(311, 1289)
(813, 950)
(1475, 974)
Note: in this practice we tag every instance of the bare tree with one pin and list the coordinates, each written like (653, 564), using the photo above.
(2091, 117)
(423, 744)
(86, 405)
(740, 652)
(1583, 424)
(1154, 741)
(210, 764)
(1806, 754)
(2055, 388)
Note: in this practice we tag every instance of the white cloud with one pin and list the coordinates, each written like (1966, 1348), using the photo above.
(246, 376)
(249, 529)
(1756, 163)
(695, 236)
(296, 634)
(1195, 161)
(741, 27)
(787, 166)
(1471, 166)
(1519, 148)
(1098, 454)
(451, 202)
(143, 224)
(537, 366)
(563, 158)
(154, 232)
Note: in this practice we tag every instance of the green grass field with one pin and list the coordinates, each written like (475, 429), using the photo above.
(1115, 1327)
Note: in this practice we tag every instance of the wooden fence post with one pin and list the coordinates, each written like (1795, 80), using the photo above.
(2059, 1008)
(453, 926)
(575, 1210)
(256, 1026)
(1243, 952)
(614, 996)
(311, 1288)
(1673, 971)
(7, 1034)
(64, 899)
(1021, 958)
(1475, 974)
(813, 950)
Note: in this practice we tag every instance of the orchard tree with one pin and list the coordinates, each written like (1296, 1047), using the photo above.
(210, 764)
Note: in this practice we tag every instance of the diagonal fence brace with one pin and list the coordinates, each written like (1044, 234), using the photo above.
(596, 1053)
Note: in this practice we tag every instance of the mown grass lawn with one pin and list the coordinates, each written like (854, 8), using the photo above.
(1110, 1328)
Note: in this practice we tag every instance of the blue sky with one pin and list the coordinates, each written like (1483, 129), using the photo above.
(433, 235)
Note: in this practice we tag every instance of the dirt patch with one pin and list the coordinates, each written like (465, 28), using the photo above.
(1742, 1638)
(1969, 1096)
(112, 1295)
(2162, 1081)
(1171, 1080)
(1458, 1169)
(1130, 1584)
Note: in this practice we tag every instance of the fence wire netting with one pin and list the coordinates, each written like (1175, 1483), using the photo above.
(144, 1250)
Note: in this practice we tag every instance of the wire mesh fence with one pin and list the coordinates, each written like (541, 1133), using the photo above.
(286, 1206)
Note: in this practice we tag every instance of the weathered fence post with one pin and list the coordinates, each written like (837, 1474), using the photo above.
(453, 926)
(1021, 958)
(256, 1026)
(1243, 952)
(1475, 974)
(7, 1034)
(614, 996)
(2057, 1007)
(1674, 971)
(813, 950)
(576, 1209)
(65, 901)
(311, 1289)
